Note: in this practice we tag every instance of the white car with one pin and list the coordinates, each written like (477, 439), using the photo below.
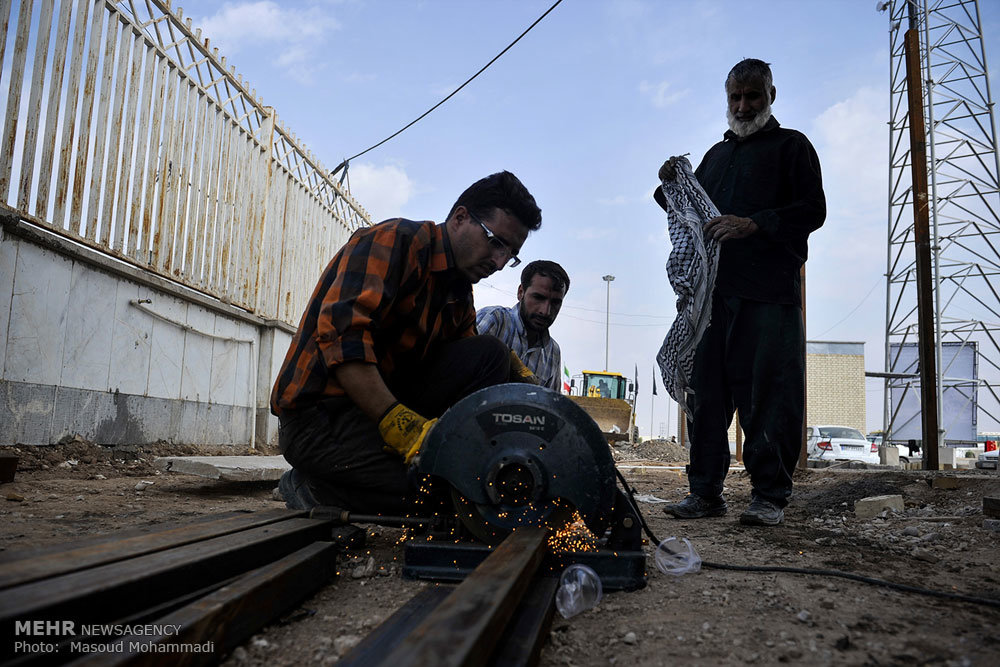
(988, 459)
(840, 443)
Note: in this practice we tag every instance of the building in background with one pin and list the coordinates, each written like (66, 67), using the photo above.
(835, 385)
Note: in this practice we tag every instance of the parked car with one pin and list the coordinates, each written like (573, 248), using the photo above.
(988, 459)
(840, 443)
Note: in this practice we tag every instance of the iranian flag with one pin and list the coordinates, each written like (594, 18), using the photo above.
(566, 387)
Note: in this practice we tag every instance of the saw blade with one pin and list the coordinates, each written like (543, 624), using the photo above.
(517, 455)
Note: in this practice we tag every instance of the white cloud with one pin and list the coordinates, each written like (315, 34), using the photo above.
(852, 141)
(294, 35)
(659, 93)
(381, 190)
(847, 256)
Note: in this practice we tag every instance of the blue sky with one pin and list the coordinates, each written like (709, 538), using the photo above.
(584, 110)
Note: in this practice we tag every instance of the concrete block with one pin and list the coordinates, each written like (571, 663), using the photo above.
(227, 468)
(888, 456)
(866, 508)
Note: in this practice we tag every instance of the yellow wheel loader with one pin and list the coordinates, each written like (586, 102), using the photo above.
(609, 399)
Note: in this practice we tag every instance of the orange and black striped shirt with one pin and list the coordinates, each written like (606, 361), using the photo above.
(388, 297)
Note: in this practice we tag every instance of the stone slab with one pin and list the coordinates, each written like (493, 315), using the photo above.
(226, 468)
(867, 508)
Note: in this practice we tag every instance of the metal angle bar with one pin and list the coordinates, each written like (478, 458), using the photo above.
(158, 163)
(212, 195)
(102, 593)
(100, 136)
(83, 152)
(376, 645)
(128, 157)
(198, 160)
(522, 641)
(141, 168)
(28, 565)
(34, 106)
(52, 111)
(172, 138)
(179, 220)
(5, 6)
(230, 615)
(63, 184)
(464, 628)
(111, 181)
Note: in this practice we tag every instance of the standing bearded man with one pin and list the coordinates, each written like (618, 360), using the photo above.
(765, 181)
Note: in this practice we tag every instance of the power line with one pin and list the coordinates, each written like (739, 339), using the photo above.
(452, 94)
(844, 319)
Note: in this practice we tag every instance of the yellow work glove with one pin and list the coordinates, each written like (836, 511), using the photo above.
(519, 372)
(403, 430)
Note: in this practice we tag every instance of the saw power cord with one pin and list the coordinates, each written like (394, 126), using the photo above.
(959, 597)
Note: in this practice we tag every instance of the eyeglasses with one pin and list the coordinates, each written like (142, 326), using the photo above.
(499, 244)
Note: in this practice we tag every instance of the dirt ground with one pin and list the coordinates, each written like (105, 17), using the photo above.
(713, 617)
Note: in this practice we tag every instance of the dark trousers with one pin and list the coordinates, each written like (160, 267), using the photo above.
(339, 451)
(750, 359)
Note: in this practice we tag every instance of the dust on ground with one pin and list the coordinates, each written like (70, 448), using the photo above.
(714, 617)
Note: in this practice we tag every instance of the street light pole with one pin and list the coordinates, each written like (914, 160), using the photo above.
(607, 322)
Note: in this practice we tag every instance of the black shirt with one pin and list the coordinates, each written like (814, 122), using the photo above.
(773, 178)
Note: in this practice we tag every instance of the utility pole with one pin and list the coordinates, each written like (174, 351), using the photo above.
(607, 322)
(922, 247)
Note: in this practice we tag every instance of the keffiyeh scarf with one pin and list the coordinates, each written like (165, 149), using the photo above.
(691, 270)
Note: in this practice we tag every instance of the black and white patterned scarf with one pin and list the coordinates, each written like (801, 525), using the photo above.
(691, 270)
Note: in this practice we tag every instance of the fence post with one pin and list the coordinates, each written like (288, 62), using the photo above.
(264, 269)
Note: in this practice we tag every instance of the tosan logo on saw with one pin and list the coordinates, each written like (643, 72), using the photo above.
(519, 419)
(511, 418)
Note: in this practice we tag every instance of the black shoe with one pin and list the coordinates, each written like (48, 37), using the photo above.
(295, 491)
(697, 507)
(762, 513)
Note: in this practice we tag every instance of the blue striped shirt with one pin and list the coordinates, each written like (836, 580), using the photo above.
(544, 359)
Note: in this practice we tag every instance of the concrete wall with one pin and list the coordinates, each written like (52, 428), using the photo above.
(93, 347)
(835, 384)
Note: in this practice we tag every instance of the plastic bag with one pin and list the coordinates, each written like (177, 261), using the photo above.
(676, 556)
(579, 590)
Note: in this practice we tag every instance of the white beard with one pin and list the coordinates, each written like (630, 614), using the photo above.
(744, 128)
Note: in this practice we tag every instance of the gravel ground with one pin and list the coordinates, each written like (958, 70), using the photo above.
(713, 617)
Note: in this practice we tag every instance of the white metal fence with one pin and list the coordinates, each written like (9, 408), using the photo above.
(125, 131)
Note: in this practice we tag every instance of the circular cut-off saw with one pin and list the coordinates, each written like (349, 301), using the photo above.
(518, 455)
